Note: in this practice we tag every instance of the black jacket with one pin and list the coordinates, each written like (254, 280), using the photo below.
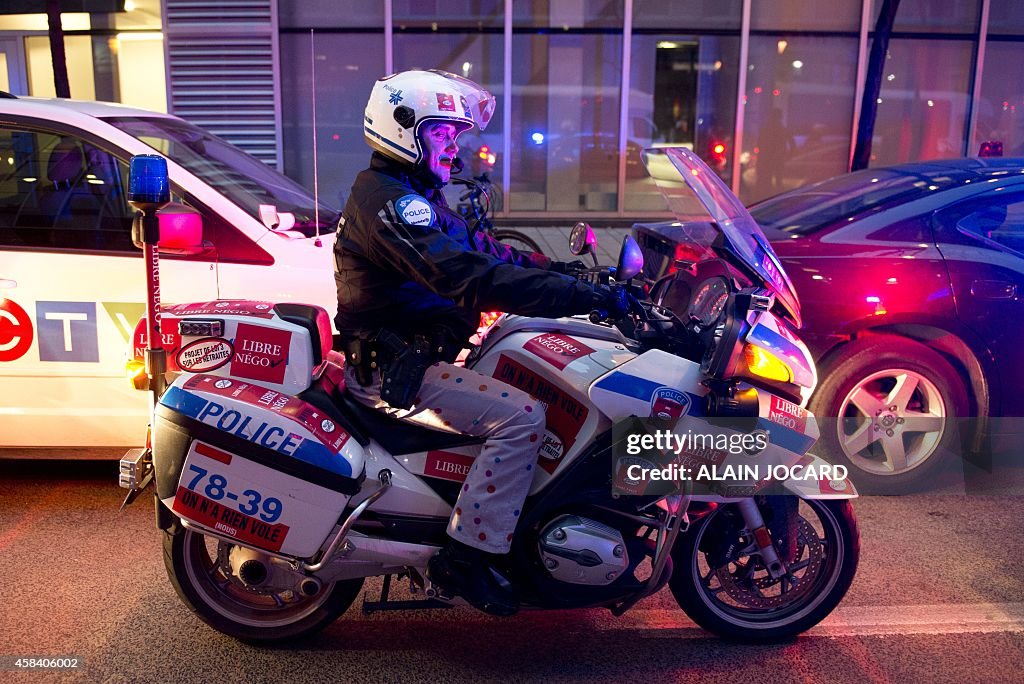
(404, 261)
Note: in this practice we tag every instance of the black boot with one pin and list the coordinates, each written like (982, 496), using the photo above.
(465, 571)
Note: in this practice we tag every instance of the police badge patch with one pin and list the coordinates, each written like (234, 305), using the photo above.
(668, 403)
(414, 210)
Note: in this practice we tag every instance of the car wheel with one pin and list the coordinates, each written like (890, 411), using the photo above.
(887, 409)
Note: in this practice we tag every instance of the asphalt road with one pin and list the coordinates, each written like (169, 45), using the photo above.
(939, 598)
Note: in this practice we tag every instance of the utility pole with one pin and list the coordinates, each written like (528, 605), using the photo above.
(873, 85)
(60, 63)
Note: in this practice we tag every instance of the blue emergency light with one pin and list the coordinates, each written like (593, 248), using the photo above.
(148, 186)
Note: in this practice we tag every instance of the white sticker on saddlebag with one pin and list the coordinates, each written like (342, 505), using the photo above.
(414, 210)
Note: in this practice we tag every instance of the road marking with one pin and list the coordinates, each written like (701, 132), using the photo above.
(867, 620)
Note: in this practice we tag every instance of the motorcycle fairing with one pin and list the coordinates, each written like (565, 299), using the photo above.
(634, 387)
(822, 488)
(694, 190)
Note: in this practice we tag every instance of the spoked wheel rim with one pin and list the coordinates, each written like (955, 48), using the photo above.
(742, 592)
(891, 422)
(205, 560)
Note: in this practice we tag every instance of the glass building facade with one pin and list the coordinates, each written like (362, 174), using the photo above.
(767, 92)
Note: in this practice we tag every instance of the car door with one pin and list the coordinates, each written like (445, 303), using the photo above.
(72, 288)
(982, 241)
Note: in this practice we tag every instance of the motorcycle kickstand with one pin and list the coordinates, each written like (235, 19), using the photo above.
(384, 604)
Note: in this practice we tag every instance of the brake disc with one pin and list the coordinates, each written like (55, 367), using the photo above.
(749, 591)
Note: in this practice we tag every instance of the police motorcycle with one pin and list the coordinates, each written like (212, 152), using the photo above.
(277, 494)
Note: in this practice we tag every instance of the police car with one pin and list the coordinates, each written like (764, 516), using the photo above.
(72, 284)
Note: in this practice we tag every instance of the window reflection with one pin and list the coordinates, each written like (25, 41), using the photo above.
(478, 57)
(1005, 16)
(687, 14)
(945, 16)
(347, 65)
(567, 15)
(433, 13)
(798, 115)
(789, 15)
(682, 92)
(565, 122)
(922, 107)
(1001, 107)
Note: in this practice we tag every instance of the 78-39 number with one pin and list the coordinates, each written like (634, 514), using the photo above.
(269, 509)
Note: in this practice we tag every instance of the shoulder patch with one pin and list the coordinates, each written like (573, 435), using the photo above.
(414, 210)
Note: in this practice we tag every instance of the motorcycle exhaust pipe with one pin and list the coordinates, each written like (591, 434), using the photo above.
(310, 586)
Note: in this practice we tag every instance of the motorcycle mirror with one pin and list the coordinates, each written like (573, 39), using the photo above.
(631, 260)
(582, 240)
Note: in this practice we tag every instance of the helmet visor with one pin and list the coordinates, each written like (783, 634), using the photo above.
(478, 102)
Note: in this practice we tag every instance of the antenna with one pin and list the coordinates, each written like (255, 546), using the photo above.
(316, 170)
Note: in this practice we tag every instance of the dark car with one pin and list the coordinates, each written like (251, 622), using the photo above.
(911, 281)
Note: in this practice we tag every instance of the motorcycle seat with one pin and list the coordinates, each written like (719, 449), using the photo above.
(397, 436)
(363, 422)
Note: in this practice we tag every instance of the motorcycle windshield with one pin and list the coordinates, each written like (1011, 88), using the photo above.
(695, 193)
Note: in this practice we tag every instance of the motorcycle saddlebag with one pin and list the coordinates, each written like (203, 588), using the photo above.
(253, 464)
(279, 346)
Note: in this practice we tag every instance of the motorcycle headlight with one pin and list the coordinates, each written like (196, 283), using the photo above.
(765, 364)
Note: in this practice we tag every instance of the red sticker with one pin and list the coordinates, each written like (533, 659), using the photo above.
(445, 102)
(564, 415)
(169, 335)
(228, 521)
(448, 466)
(558, 350)
(15, 331)
(261, 353)
(224, 307)
(787, 414)
(308, 416)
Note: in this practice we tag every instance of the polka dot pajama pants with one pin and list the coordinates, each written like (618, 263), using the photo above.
(460, 400)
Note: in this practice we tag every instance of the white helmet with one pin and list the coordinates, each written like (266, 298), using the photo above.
(399, 104)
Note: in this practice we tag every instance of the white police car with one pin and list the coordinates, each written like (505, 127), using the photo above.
(72, 285)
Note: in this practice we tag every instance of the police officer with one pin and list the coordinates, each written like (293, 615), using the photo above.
(411, 283)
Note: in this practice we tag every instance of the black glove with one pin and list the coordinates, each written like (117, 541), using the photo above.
(571, 268)
(615, 301)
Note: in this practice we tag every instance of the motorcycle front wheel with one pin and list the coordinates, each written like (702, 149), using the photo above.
(721, 583)
(198, 570)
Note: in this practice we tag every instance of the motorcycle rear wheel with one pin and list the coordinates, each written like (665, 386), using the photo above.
(223, 603)
(732, 595)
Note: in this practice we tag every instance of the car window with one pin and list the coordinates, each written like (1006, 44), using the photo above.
(241, 178)
(61, 192)
(914, 229)
(997, 216)
(808, 209)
